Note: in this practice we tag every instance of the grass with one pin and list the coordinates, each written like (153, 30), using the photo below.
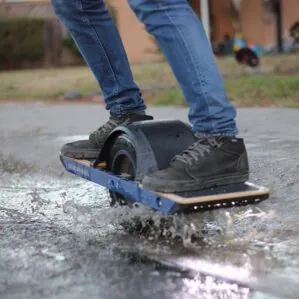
(45, 83)
(277, 84)
(270, 90)
(257, 91)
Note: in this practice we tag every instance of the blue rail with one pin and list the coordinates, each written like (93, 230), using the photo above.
(129, 189)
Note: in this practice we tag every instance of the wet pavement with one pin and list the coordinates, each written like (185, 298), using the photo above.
(59, 238)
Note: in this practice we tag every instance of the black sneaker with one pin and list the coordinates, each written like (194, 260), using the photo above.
(90, 149)
(209, 162)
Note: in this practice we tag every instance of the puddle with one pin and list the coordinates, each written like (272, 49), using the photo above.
(59, 237)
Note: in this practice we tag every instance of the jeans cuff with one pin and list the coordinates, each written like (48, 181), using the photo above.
(202, 134)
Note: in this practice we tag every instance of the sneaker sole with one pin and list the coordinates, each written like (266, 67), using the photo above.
(160, 185)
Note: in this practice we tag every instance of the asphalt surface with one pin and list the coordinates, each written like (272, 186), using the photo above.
(59, 238)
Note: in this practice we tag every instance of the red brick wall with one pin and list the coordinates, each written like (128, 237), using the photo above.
(139, 45)
(259, 26)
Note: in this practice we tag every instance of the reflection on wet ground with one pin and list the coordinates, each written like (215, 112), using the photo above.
(61, 239)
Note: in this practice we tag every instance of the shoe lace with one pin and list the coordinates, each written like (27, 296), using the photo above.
(197, 151)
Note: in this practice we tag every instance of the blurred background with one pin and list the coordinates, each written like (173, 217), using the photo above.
(59, 237)
(39, 60)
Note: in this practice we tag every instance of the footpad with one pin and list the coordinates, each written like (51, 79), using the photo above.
(220, 197)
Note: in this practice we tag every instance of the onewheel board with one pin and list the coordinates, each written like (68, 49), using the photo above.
(131, 191)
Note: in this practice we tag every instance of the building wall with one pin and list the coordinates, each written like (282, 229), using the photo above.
(220, 22)
(259, 26)
(139, 45)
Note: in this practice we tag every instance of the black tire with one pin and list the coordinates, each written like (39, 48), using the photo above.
(122, 162)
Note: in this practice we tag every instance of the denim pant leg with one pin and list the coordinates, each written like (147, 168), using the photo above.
(181, 37)
(98, 40)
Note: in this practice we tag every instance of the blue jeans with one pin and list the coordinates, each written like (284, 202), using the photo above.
(180, 36)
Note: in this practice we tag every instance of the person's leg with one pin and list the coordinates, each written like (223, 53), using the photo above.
(181, 37)
(218, 157)
(98, 40)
